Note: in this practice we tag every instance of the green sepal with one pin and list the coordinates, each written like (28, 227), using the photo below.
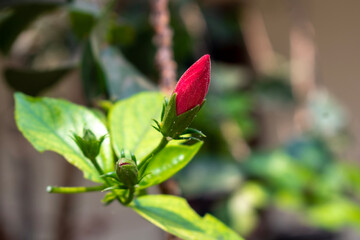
(166, 102)
(188, 138)
(132, 156)
(112, 175)
(192, 131)
(111, 196)
(157, 127)
(144, 175)
(172, 125)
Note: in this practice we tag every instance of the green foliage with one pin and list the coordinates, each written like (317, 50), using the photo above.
(335, 214)
(83, 16)
(243, 204)
(120, 33)
(304, 178)
(272, 88)
(92, 75)
(119, 77)
(208, 176)
(130, 123)
(174, 215)
(32, 82)
(49, 123)
(141, 50)
(122, 79)
(168, 162)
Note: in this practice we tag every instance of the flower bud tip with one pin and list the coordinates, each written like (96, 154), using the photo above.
(193, 85)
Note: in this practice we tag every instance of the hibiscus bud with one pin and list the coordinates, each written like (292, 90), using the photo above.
(89, 144)
(193, 85)
(127, 172)
(186, 100)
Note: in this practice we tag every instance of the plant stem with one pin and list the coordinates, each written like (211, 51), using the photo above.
(101, 172)
(145, 161)
(97, 166)
(130, 196)
(70, 190)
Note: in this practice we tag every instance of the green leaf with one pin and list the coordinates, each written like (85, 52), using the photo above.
(274, 88)
(21, 16)
(218, 229)
(49, 123)
(120, 33)
(122, 79)
(32, 82)
(130, 122)
(242, 206)
(168, 162)
(83, 16)
(209, 175)
(334, 215)
(92, 75)
(174, 215)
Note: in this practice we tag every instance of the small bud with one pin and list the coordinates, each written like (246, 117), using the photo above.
(88, 143)
(193, 85)
(127, 172)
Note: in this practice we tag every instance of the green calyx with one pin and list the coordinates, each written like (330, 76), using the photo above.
(127, 172)
(172, 126)
(88, 143)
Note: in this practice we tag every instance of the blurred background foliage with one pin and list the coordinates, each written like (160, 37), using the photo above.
(300, 189)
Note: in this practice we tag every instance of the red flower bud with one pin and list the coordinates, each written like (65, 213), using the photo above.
(193, 85)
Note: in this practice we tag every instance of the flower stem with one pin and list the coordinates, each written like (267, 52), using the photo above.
(130, 196)
(146, 159)
(97, 166)
(100, 171)
(70, 190)
(108, 183)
